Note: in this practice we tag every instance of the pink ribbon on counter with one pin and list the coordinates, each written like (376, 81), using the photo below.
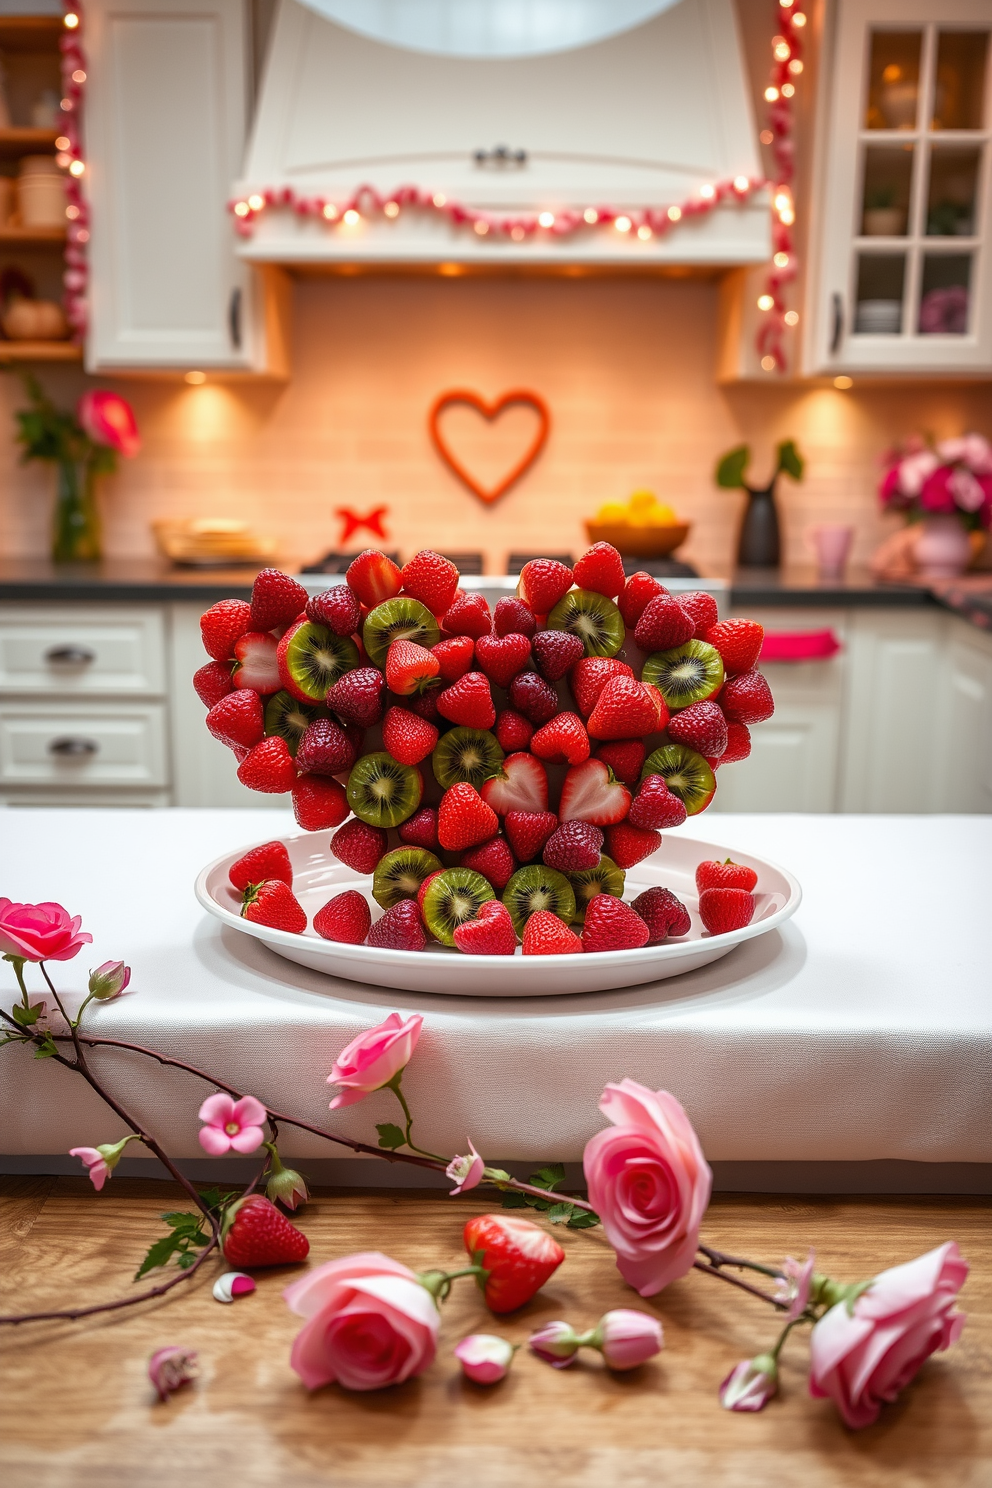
(799, 645)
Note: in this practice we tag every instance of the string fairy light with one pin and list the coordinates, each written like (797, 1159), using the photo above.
(777, 136)
(75, 276)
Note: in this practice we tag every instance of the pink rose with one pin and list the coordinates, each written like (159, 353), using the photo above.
(936, 494)
(231, 1123)
(864, 1356)
(750, 1385)
(467, 1172)
(40, 932)
(649, 1183)
(373, 1059)
(370, 1323)
(889, 489)
(110, 421)
(484, 1357)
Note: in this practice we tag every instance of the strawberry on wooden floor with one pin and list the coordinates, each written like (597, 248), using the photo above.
(256, 1234)
(519, 1256)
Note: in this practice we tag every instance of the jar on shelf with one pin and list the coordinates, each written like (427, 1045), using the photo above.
(41, 192)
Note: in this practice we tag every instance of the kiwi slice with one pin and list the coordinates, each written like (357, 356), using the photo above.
(382, 792)
(593, 618)
(538, 887)
(315, 658)
(399, 619)
(451, 899)
(686, 773)
(466, 754)
(400, 873)
(605, 878)
(288, 718)
(686, 674)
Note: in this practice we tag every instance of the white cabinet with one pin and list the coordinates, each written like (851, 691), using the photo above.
(966, 724)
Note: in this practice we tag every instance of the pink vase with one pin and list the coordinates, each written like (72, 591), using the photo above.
(942, 549)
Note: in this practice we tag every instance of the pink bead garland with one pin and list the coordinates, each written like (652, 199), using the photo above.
(76, 276)
(786, 67)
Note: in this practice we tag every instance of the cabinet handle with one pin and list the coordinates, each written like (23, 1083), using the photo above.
(234, 318)
(70, 655)
(837, 332)
(71, 746)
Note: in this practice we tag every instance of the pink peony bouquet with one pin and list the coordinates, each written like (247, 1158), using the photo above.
(952, 478)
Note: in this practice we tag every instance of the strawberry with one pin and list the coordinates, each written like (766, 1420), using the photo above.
(270, 860)
(410, 668)
(738, 642)
(494, 860)
(628, 845)
(424, 704)
(528, 831)
(746, 698)
(276, 600)
(656, 806)
(702, 727)
(256, 1234)
(357, 696)
(513, 617)
(611, 925)
(513, 731)
(701, 609)
(268, 767)
(518, 1256)
(722, 910)
(738, 744)
(626, 707)
(212, 682)
(399, 929)
(273, 903)
(223, 624)
(638, 592)
(454, 656)
(490, 933)
(725, 875)
(408, 738)
(663, 914)
(542, 583)
(325, 748)
(590, 675)
(520, 784)
(420, 829)
(464, 818)
(546, 935)
(346, 918)
(432, 579)
(573, 847)
(601, 569)
(338, 608)
(591, 792)
(257, 663)
(468, 616)
(625, 758)
(664, 624)
(530, 695)
(319, 802)
(468, 701)
(555, 651)
(563, 740)
(238, 719)
(373, 577)
(502, 657)
(359, 845)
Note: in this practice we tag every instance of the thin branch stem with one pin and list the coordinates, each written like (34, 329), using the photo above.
(744, 1286)
(720, 1258)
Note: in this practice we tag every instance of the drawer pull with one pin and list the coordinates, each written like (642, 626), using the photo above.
(71, 746)
(70, 655)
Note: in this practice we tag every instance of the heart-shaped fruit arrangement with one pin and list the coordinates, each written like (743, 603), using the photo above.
(495, 772)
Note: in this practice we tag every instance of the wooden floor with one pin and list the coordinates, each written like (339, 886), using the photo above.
(76, 1407)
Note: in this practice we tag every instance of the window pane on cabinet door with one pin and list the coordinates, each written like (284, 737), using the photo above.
(881, 281)
(953, 191)
(959, 86)
(893, 80)
(945, 294)
(888, 177)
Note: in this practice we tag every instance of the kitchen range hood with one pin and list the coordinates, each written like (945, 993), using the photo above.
(613, 132)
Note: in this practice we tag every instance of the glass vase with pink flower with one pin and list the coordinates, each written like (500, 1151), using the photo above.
(946, 487)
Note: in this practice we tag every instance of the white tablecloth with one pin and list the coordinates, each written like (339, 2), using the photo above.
(862, 1031)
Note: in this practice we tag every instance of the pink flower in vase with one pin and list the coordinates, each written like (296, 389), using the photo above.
(231, 1123)
(966, 489)
(109, 420)
(936, 494)
(889, 490)
(40, 932)
(374, 1058)
(914, 469)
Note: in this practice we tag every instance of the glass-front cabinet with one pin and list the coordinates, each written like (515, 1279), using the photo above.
(903, 282)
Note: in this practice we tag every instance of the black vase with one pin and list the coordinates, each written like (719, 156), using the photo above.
(759, 545)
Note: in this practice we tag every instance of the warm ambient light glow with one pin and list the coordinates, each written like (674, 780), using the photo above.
(674, 214)
(644, 233)
(791, 317)
(766, 302)
(799, 19)
(622, 224)
(256, 202)
(79, 76)
(63, 142)
(481, 228)
(517, 234)
(771, 95)
(351, 217)
(62, 160)
(788, 90)
(768, 364)
(195, 378)
(590, 215)
(439, 198)
(766, 137)
(546, 219)
(72, 212)
(70, 20)
(241, 209)
(707, 192)
(781, 260)
(781, 48)
(741, 183)
(391, 209)
(330, 211)
(843, 383)
(76, 168)
(795, 67)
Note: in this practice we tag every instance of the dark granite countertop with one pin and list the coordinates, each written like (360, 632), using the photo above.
(801, 588)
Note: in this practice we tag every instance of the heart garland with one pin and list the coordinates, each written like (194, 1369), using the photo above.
(489, 412)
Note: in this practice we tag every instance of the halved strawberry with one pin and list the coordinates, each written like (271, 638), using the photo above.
(222, 625)
(464, 818)
(410, 668)
(502, 657)
(432, 579)
(468, 616)
(562, 741)
(738, 642)
(628, 845)
(408, 738)
(589, 676)
(626, 707)
(639, 590)
(528, 831)
(625, 758)
(601, 569)
(520, 784)
(494, 860)
(319, 802)
(257, 662)
(468, 701)
(513, 617)
(591, 792)
(213, 681)
(455, 656)
(276, 599)
(237, 719)
(374, 577)
(268, 860)
(542, 583)
(273, 903)
(518, 1256)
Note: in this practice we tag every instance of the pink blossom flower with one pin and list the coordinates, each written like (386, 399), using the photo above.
(750, 1385)
(466, 1172)
(168, 1368)
(231, 1123)
(627, 1338)
(40, 932)
(864, 1353)
(649, 1183)
(556, 1343)
(793, 1288)
(889, 490)
(484, 1357)
(109, 980)
(374, 1058)
(936, 494)
(914, 469)
(966, 489)
(109, 420)
(370, 1323)
(101, 1161)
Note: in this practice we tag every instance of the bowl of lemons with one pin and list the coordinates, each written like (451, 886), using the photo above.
(642, 527)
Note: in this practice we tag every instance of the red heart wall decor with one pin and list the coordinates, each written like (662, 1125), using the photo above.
(490, 411)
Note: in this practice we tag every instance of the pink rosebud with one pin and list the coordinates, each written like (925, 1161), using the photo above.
(40, 932)
(750, 1385)
(556, 1343)
(936, 494)
(466, 1172)
(374, 1058)
(168, 1368)
(109, 420)
(794, 1287)
(284, 1184)
(109, 980)
(101, 1161)
(233, 1284)
(484, 1357)
(626, 1337)
(231, 1123)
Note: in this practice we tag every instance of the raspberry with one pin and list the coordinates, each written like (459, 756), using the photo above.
(555, 651)
(359, 845)
(573, 847)
(611, 925)
(663, 914)
(346, 918)
(399, 929)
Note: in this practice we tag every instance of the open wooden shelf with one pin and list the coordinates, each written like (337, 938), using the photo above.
(33, 237)
(16, 142)
(40, 351)
(30, 33)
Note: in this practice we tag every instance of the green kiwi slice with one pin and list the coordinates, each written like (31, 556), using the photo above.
(400, 873)
(686, 674)
(593, 618)
(315, 659)
(605, 878)
(398, 619)
(466, 754)
(451, 899)
(538, 887)
(686, 773)
(288, 718)
(383, 792)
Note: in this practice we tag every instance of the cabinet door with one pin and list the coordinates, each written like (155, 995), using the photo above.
(966, 744)
(165, 127)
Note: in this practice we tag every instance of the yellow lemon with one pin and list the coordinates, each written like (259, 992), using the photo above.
(613, 511)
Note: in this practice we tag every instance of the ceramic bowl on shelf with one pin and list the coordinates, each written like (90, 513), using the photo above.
(639, 542)
(318, 875)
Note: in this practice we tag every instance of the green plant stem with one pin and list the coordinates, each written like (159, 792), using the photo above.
(395, 1085)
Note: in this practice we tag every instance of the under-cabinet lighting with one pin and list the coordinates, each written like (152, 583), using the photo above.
(196, 378)
(843, 383)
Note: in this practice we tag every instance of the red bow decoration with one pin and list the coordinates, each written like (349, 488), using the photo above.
(351, 522)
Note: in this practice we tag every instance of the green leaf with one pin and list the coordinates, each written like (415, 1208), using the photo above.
(183, 1222)
(27, 1016)
(560, 1213)
(582, 1219)
(185, 1261)
(46, 1048)
(514, 1200)
(790, 460)
(497, 1175)
(390, 1135)
(731, 467)
(216, 1201)
(549, 1176)
(159, 1253)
